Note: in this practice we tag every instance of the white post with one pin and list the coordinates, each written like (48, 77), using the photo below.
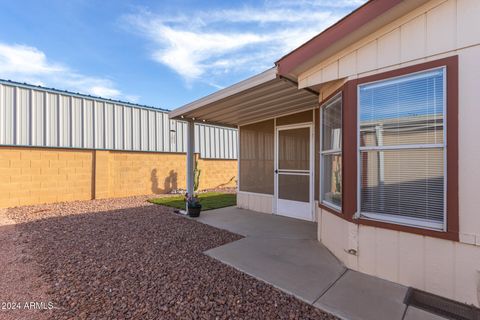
(190, 156)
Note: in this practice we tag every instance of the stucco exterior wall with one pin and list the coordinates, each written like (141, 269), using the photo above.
(45, 175)
(438, 29)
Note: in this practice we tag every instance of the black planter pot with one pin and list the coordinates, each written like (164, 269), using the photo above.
(194, 212)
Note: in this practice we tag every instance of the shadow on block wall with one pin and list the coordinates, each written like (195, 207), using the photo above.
(169, 184)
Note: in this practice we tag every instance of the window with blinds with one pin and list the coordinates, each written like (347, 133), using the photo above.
(331, 153)
(402, 149)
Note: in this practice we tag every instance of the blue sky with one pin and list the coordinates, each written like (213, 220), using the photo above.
(158, 53)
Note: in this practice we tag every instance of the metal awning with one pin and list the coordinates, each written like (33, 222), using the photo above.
(262, 96)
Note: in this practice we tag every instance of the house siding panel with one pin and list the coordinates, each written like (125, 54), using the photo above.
(437, 29)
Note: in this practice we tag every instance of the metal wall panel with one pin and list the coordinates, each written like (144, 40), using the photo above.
(127, 124)
(216, 142)
(65, 123)
(159, 131)
(166, 133)
(152, 132)
(7, 102)
(99, 109)
(119, 140)
(109, 126)
(88, 123)
(35, 116)
(77, 123)
(22, 116)
(51, 120)
(135, 129)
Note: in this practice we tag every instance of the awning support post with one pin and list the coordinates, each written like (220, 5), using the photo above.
(190, 156)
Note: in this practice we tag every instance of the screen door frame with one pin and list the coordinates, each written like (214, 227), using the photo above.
(295, 209)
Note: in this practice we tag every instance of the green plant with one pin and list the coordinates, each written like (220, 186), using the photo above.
(196, 176)
(193, 202)
(338, 177)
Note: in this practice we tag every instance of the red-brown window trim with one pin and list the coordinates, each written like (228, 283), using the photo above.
(321, 104)
(349, 149)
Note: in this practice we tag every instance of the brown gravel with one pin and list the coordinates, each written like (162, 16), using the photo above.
(20, 281)
(128, 259)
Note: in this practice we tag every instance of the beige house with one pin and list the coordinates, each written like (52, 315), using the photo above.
(370, 129)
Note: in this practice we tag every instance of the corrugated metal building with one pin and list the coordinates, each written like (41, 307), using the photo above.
(42, 117)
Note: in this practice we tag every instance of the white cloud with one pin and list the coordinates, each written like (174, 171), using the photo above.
(210, 46)
(23, 63)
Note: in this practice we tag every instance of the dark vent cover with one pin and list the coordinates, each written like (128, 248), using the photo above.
(441, 306)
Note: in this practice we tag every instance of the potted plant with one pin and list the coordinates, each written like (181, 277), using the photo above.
(193, 206)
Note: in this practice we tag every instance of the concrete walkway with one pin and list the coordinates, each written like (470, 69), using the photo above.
(284, 252)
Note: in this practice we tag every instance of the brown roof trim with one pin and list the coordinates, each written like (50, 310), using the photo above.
(343, 27)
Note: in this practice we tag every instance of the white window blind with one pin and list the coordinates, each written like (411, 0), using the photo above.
(402, 149)
(331, 153)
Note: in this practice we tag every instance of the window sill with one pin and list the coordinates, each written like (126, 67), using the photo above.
(407, 222)
(330, 209)
(446, 235)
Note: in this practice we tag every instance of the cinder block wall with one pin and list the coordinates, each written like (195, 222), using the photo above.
(216, 173)
(46, 175)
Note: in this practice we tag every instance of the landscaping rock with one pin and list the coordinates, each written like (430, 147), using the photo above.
(128, 259)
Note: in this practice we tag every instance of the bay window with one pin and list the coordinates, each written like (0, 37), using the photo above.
(331, 153)
(402, 149)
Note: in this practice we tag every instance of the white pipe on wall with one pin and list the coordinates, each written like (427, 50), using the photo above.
(190, 156)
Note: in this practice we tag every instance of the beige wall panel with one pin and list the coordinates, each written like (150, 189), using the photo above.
(328, 89)
(469, 131)
(389, 49)
(413, 39)
(352, 259)
(439, 266)
(441, 28)
(347, 65)
(435, 265)
(334, 234)
(467, 274)
(255, 201)
(468, 12)
(330, 72)
(367, 255)
(387, 259)
(411, 263)
(367, 57)
(314, 78)
(242, 200)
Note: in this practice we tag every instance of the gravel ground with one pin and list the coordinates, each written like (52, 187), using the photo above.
(128, 259)
(20, 280)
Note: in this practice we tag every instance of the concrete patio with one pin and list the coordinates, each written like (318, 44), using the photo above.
(284, 252)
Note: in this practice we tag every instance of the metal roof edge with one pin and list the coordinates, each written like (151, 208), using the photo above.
(261, 78)
(80, 95)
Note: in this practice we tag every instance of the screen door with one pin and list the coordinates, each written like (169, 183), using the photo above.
(294, 171)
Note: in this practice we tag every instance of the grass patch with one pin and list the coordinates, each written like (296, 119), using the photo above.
(209, 200)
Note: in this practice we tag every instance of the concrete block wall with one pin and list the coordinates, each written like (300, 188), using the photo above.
(31, 176)
(217, 173)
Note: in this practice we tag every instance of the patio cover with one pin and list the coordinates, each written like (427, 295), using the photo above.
(262, 96)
